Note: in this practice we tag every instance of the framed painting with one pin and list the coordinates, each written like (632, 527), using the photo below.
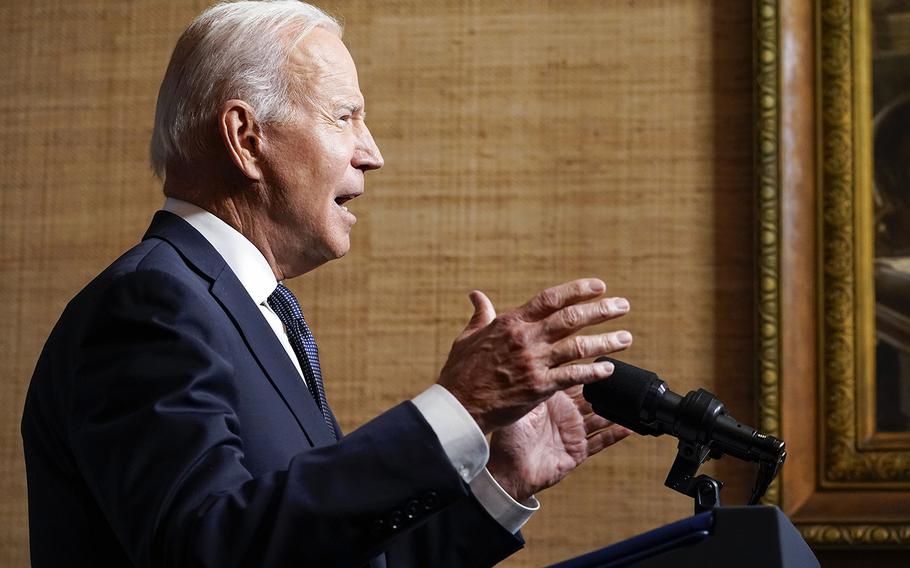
(833, 272)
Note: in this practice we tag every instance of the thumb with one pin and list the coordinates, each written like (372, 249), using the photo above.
(484, 313)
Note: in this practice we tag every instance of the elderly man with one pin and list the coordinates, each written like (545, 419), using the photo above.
(177, 414)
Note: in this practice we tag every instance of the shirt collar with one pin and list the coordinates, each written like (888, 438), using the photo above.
(247, 262)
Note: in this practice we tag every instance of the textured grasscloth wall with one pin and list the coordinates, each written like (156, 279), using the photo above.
(526, 144)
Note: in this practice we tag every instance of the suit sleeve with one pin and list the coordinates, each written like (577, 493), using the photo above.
(155, 435)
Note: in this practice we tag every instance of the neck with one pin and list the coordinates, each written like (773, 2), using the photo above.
(239, 204)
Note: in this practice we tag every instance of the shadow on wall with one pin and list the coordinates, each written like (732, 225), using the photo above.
(734, 248)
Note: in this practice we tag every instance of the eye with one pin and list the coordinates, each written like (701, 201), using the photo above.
(345, 119)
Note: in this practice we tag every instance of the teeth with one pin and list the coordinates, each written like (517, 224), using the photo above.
(343, 207)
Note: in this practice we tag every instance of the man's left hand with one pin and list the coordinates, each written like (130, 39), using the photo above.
(541, 448)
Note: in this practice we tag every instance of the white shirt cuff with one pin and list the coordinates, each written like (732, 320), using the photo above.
(466, 447)
(508, 512)
(461, 438)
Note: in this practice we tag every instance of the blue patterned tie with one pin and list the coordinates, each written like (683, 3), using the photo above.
(285, 305)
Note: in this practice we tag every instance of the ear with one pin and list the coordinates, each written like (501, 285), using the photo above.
(242, 137)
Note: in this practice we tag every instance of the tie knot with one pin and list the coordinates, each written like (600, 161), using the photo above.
(285, 304)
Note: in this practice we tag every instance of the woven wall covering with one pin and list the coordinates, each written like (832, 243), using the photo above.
(525, 143)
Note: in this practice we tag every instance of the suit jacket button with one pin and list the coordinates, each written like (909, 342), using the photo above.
(395, 520)
(412, 509)
(429, 500)
(379, 525)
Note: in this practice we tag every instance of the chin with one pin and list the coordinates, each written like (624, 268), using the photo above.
(340, 248)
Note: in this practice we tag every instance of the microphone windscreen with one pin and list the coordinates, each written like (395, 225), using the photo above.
(622, 396)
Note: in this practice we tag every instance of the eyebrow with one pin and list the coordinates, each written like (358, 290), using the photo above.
(350, 105)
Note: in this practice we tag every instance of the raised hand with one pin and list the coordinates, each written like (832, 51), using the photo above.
(501, 367)
(542, 447)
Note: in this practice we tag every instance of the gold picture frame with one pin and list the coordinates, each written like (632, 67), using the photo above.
(845, 484)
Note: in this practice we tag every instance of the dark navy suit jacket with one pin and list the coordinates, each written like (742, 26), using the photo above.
(166, 426)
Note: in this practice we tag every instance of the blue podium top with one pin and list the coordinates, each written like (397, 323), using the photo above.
(680, 533)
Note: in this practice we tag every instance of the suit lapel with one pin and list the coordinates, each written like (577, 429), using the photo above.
(271, 356)
(256, 332)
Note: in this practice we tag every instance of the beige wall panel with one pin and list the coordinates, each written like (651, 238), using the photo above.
(526, 144)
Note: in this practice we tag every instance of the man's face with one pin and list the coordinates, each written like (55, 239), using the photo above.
(314, 163)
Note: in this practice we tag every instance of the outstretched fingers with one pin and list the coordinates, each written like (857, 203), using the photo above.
(595, 423)
(586, 346)
(606, 438)
(562, 378)
(554, 299)
(571, 319)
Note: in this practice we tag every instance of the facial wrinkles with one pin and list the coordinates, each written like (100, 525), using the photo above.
(334, 101)
(312, 155)
(329, 80)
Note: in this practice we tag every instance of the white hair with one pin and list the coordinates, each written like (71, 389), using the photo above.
(233, 50)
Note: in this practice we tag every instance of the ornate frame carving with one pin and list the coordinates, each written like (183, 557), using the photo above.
(843, 484)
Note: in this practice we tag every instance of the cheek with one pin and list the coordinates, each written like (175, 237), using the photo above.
(333, 152)
(334, 162)
(311, 171)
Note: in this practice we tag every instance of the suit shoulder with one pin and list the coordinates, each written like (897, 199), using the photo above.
(151, 255)
(152, 260)
(153, 272)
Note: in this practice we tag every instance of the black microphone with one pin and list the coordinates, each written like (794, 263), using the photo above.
(641, 401)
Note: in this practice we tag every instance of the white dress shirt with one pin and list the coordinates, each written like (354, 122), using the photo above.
(458, 433)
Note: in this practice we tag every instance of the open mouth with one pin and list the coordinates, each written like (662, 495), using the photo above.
(342, 199)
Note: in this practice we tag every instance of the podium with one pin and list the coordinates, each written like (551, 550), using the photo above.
(740, 537)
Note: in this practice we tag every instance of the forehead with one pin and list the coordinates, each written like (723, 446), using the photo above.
(324, 64)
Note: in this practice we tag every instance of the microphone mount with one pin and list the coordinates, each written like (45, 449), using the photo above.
(640, 400)
(697, 408)
(704, 489)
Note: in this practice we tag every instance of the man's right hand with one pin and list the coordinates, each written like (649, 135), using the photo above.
(502, 367)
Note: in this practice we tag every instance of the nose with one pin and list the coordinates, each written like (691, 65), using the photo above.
(367, 156)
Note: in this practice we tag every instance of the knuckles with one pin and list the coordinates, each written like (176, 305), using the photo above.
(505, 321)
(580, 346)
(571, 373)
(540, 388)
(549, 299)
(571, 317)
(518, 336)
